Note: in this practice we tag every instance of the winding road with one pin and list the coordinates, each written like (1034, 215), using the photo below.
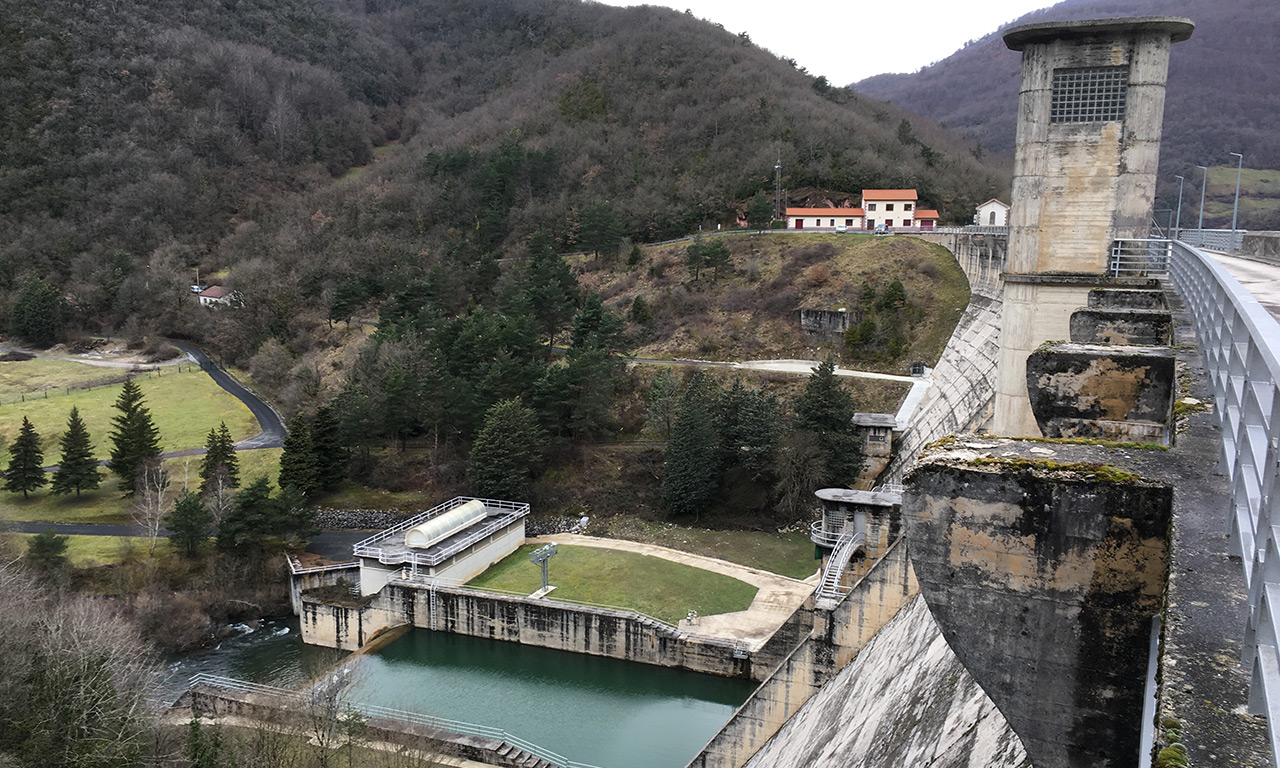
(272, 426)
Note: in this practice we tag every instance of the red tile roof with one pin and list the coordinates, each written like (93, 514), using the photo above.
(214, 292)
(926, 213)
(824, 211)
(890, 195)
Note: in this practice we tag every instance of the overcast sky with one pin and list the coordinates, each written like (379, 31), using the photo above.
(847, 41)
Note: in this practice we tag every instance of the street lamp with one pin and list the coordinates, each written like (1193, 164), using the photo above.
(1178, 221)
(1204, 179)
(1236, 208)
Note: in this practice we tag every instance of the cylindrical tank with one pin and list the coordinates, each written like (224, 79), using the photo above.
(440, 528)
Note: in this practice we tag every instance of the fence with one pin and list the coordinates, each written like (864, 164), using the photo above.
(1241, 346)
(85, 386)
(1228, 240)
(1139, 258)
(285, 696)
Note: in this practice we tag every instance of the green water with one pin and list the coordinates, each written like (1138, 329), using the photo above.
(605, 712)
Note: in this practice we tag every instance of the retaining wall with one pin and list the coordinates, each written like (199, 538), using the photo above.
(300, 582)
(542, 623)
(1261, 246)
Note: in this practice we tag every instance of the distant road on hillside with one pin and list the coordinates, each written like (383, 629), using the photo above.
(273, 429)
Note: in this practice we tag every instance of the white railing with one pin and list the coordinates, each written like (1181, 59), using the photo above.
(1240, 342)
(1228, 240)
(296, 567)
(1147, 257)
(971, 230)
(831, 586)
(397, 715)
(370, 547)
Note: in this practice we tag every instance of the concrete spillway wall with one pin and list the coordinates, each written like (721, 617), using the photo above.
(839, 632)
(964, 380)
(543, 623)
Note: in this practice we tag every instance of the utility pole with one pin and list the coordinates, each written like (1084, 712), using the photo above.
(1204, 179)
(1236, 208)
(1177, 226)
(777, 189)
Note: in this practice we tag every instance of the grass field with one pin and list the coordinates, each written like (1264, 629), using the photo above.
(107, 505)
(185, 406)
(650, 585)
(1259, 197)
(90, 551)
(786, 554)
(34, 376)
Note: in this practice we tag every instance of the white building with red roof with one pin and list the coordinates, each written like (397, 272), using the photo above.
(214, 294)
(896, 209)
(824, 219)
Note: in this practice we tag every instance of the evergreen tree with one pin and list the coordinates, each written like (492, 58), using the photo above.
(189, 522)
(716, 255)
(760, 212)
(826, 409)
(663, 402)
(135, 437)
(749, 422)
(219, 455)
(602, 230)
(47, 551)
(26, 461)
(695, 257)
(551, 290)
(298, 466)
(640, 312)
(691, 474)
(37, 314)
(331, 453)
(77, 469)
(507, 448)
(595, 327)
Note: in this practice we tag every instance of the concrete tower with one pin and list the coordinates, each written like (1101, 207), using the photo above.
(1090, 112)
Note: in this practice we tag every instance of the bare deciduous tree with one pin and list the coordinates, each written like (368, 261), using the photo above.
(151, 500)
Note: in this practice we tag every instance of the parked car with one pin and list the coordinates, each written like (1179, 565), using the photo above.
(882, 230)
(841, 228)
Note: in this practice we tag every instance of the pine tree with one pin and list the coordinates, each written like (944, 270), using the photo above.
(691, 474)
(77, 469)
(135, 437)
(760, 212)
(717, 255)
(298, 467)
(331, 453)
(26, 461)
(507, 448)
(551, 290)
(189, 522)
(826, 409)
(219, 455)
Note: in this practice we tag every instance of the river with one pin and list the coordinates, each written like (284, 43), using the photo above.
(604, 712)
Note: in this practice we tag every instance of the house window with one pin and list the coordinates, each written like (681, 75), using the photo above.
(906, 222)
(871, 206)
(833, 222)
(888, 222)
(848, 222)
(1088, 94)
(888, 206)
(906, 206)
(992, 222)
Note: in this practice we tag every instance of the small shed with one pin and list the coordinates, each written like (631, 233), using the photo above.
(878, 428)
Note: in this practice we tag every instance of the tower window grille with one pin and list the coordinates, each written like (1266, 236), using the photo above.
(1088, 94)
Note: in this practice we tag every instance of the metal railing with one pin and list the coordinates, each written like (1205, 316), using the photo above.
(1240, 342)
(397, 715)
(1147, 257)
(296, 567)
(830, 586)
(1215, 239)
(370, 547)
(972, 229)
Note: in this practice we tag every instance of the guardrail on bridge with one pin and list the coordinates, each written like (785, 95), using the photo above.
(1240, 342)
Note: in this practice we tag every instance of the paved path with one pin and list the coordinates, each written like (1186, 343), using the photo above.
(273, 430)
(778, 596)
(1262, 280)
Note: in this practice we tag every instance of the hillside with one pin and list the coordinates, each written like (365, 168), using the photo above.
(144, 141)
(1224, 91)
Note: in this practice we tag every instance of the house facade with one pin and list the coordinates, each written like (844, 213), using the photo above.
(896, 209)
(824, 219)
(992, 213)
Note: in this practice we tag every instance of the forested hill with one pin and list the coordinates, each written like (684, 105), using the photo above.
(143, 139)
(1223, 96)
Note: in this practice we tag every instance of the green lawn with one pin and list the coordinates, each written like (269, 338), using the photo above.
(786, 554)
(107, 505)
(185, 407)
(89, 551)
(650, 585)
(36, 375)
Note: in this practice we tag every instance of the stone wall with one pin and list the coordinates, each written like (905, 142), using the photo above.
(1044, 578)
(1261, 246)
(837, 637)
(825, 324)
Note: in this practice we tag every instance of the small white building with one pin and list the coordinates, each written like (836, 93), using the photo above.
(454, 542)
(214, 294)
(992, 213)
(824, 219)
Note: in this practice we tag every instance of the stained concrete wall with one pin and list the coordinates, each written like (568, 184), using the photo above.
(1147, 327)
(982, 258)
(542, 623)
(299, 582)
(1261, 246)
(827, 324)
(1109, 392)
(906, 700)
(1044, 579)
(838, 635)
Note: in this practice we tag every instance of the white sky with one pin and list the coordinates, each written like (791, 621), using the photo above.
(847, 40)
